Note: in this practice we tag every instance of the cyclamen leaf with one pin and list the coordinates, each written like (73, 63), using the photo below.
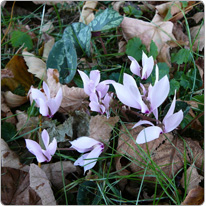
(107, 19)
(174, 85)
(80, 35)
(182, 56)
(63, 57)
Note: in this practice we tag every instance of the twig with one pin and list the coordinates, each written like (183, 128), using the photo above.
(9, 23)
(197, 117)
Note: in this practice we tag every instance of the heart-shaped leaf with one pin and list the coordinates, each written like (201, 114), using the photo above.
(80, 35)
(63, 57)
(107, 19)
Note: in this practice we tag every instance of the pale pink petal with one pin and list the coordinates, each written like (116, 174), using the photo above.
(134, 67)
(172, 108)
(45, 138)
(52, 147)
(124, 95)
(159, 92)
(37, 94)
(141, 122)
(58, 100)
(102, 88)
(47, 155)
(35, 149)
(85, 80)
(80, 160)
(43, 107)
(83, 144)
(95, 77)
(129, 81)
(155, 112)
(147, 64)
(95, 106)
(46, 90)
(91, 158)
(148, 134)
(157, 73)
(107, 100)
(173, 121)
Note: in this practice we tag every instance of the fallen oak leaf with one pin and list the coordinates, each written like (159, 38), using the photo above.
(198, 16)
(41, 185)
(5, 73)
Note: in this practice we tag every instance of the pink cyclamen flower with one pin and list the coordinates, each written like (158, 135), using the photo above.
(169, 123)
(42, 155)
(48, 106)
(147, 64)
(129, 94)
(90, 145)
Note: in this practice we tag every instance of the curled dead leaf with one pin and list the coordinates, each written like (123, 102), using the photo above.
(87, 14)
(21, 75)
(48, 27)
(200, 41)
(41, 185)
(47, 48)
(194, 197)
(200, 65)
(117, 5)
(100, 127)
(164, 55)
(198, 16)
(192, 178)
(15, 189)
(14, 100)
(36, 66)
(10, 158)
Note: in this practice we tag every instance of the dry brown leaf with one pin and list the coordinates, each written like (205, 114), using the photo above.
(5, 73)
(200, 65)
(47, 48)
(164, 54)
(36, 66)
(6, 112)
(195, 197)
(198, 16)
(48, 27)
(15, 189)
(22, 77)
(117, 5)
(157, 30)
(27, 127)
(174, 10)
(169, 157)
(180, 35)
(200, 41)
(54, 172)
(121, 47)
(100, 127)
(41, 185)
(14, 100)
(196, 125)
(192, 179)
(10, 159)
(87, 14)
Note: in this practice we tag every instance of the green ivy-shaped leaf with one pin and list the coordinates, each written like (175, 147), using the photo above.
(63, 57)
(174, 85)
(80, 35)
(18, 38)
(107, 19)
(182, 56)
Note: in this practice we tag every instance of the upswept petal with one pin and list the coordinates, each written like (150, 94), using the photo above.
(103, 88)
(172, 108)
(134, 67)
(51, 103)
(83, 144)
(95, 76)
(58, 99)
(142, 122)
(148, 134)
(157, 74)
(45, 138)
(85, 80)
(47, 155)
(46, 90)
(124, 95)
(96, 107)
(172, 121)
(52, 147)
(155, 112)
(43, 108)
(35, 149)
(91, 158)
(159, 92)
(37, 94)
(147, 64)
(107, 100)
(129, 81)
